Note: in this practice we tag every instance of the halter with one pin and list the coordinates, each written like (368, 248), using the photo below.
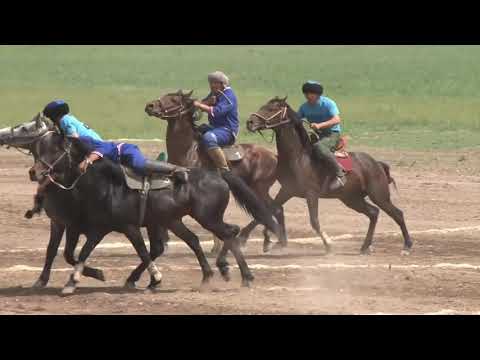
(182, 111)
(51, 166)
(283, 119)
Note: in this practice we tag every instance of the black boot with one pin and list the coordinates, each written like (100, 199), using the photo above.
(338, 179)
(167, 169)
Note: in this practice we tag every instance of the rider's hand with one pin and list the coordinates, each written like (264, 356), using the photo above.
(83, 166)
(316, 126)
(197, 103)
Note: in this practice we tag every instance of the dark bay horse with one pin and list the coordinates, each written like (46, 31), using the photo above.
(258, 167)
(107, 204)
(60, 205)
(299, 177)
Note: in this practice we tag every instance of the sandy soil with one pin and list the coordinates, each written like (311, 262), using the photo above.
(438, 192)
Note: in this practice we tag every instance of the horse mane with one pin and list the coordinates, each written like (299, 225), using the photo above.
(298, 126)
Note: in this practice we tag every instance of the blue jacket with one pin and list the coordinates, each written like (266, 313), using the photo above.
(225, 111)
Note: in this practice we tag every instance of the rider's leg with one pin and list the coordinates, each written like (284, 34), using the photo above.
(38, 200)
(133, 157)
(324, 150)
(212, 140)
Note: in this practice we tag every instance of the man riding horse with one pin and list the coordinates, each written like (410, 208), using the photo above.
(323, 116)
(58, 112)
(223, 121)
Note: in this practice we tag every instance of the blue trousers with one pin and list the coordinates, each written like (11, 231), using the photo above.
(131, 156)
(217, 137)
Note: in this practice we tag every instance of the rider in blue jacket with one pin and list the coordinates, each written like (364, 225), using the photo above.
(223, 126)
(125, 154)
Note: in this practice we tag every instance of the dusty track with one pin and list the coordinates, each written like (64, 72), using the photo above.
(442, 275)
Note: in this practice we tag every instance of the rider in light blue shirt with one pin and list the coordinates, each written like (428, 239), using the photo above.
(59, 112)
(324, 117)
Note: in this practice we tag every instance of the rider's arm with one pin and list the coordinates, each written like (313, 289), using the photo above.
(223, 106)
(203, 107)
(327, 124)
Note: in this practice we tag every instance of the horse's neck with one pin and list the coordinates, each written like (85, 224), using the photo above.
(181, 143)
(289, 145)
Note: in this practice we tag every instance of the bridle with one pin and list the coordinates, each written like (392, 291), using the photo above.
(51, 166)
(180, 109)
(283, 120)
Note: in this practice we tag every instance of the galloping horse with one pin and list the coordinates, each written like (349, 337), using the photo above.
(299, 176)
(108, 204)
(258, 167)
(60, 205)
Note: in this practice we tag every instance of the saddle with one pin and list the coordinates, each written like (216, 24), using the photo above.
(341, 154)
(143, 184)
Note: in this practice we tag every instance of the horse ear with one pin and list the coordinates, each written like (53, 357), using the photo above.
(189, 94)
(38, 120)
(179, 92)
(284, 99)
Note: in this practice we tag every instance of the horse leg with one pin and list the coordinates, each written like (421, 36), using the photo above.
(229, 233)
(217, 245)
(282, 197)
(312, 202)
(247, 276)
(379, 193)
(56, 233)
(72, 237)
(179, 229)
(245, 232)
(360, 205)
(222, 263)
(156, 234)
(397, 215)
(94, 236)
(163, 234)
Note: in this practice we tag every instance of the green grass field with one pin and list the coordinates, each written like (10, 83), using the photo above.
(417, 97)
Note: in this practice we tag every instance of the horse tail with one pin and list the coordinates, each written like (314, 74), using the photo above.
(249, 202)
(391, 180)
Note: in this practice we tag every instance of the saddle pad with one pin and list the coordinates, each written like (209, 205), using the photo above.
(233, 152)
(345, 160)
(137, 182)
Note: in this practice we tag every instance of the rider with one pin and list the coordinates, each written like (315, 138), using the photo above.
(223, 126)
(58, 112)
(323, 115)
(128, 155)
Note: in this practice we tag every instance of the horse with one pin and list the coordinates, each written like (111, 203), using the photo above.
(60, 206)
(107, 204)
(257, 167)
(299, 175)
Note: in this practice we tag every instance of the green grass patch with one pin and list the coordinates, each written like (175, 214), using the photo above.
(420, 97)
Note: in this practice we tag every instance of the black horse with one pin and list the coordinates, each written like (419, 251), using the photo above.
(107, 204)
(60, 205)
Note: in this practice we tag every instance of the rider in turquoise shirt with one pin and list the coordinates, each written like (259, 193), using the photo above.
(59, 112)
(323, 115)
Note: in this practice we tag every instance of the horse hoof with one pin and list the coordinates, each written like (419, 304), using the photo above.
(28, 214)
(365, 251)
(225, 275)
(267, 247)
(68, 290)
(405, 252)
(40, 284)
(130, 285)
(278, 246)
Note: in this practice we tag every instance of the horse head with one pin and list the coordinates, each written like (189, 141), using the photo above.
(271, 115)
(171, 106)
(23, 135)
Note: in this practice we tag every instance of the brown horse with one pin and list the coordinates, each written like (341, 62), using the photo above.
(299, 177)
(258, 167)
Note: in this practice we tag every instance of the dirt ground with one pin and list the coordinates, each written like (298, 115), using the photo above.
(438, 192)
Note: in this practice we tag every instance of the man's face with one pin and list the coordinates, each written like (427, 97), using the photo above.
(215, 86)
(312, 98)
